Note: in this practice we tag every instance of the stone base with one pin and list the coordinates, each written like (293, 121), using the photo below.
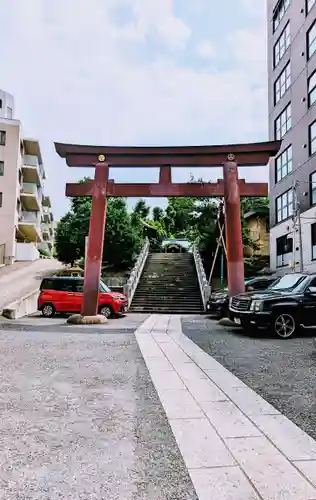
(78, 319)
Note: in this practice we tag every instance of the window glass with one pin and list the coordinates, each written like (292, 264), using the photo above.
(283, 164)
(312, 138)
(309, 4)
(283, 123)
(2, 137)
(312, 89)
(279, 14)
(311, 41)
(282, 45)
(313, 239)
(284, 205)
(282, 83)
(1, 168)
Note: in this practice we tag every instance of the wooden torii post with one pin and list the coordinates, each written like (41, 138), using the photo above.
(231, 188)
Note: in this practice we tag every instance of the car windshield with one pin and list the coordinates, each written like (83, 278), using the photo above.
(104, 288)
(290, 281)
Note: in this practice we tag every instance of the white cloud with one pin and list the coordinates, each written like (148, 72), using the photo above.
(75, 77)
(206, 50)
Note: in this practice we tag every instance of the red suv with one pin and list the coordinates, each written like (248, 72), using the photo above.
(64, 295)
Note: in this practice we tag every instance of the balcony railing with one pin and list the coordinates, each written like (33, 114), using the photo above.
(28, 188)
(30, 217)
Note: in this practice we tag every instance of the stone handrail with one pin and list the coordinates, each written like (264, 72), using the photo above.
(131, 285)
(204, 286)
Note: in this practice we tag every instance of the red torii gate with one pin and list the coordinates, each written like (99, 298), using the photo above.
(103, 157)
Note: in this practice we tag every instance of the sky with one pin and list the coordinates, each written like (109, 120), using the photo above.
(135, 72)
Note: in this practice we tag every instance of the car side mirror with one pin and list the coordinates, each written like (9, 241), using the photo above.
(311, 290)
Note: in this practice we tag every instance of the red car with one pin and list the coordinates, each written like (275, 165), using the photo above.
(65, 294)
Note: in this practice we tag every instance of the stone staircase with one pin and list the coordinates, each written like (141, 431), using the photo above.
(168, 284)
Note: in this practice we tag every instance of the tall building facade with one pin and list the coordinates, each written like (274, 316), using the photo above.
(26, 221)
(292, 119)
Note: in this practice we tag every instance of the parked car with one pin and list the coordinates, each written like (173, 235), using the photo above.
(218, 303)
(286, 306)
(65, 295)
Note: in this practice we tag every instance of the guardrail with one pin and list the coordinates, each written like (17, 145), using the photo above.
(203, 283)
(132, 282)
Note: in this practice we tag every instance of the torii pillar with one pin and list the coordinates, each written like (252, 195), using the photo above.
(234, 245)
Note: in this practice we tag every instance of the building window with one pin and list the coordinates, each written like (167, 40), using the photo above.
(282, 83)
(283, 123)
(2, 138)
(1, 168)
(282, 45)
(311, 87)
(309, 4)
(313, 188)
(283, 164)
(312, 138)
(0, 103)
(313, 238)
(284, 205)
(284, 246)
(311, 41)
(279, 14)
(1, 199)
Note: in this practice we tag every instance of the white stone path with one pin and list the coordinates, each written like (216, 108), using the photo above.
(235, 445)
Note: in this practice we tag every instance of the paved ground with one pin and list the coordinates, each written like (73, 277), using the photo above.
(236, 445)
(282, 372)
(80, 418)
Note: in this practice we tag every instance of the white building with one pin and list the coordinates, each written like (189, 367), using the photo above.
(26, 221)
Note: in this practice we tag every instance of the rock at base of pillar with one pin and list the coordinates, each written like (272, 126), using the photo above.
(78, 319)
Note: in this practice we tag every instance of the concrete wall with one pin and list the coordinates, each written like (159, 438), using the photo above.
(26, 251)
(6, 105)
(9, 186)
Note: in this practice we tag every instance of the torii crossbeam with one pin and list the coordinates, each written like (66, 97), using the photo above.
(231, 188)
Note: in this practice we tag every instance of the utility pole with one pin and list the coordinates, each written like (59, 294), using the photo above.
(297, 220)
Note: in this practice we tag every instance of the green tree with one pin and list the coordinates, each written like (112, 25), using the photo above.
(122, 240)
(158, 214)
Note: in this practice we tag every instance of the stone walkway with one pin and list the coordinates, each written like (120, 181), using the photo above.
(235, 445)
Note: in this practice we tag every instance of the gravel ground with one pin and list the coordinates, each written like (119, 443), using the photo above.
(80, 419)
(282, 371)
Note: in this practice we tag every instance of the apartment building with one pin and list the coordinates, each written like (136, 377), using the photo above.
(26, 221)
(292, 119)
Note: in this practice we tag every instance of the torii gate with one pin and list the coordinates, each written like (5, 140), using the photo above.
(231, 188)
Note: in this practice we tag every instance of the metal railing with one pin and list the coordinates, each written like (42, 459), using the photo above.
(203, 283)
(132, 282)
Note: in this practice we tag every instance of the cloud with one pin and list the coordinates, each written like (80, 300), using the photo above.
(94, 75)
(206, 50)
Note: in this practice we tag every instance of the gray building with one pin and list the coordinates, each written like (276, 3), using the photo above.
(292, 118)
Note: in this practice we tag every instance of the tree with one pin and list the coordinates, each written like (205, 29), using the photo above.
(158, 214)
(122, 240)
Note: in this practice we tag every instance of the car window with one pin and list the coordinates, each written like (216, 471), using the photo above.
(66, 286)
(48, 284)
(260, 285)
(289, 281)
(78, 286)
(313, 282)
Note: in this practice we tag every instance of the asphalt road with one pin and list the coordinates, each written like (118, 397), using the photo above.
(282, 371)
(80, 419)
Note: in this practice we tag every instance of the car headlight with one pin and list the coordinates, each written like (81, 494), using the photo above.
(256, 305)
(220, 300)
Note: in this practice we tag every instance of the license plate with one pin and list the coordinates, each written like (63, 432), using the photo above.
(237, 321)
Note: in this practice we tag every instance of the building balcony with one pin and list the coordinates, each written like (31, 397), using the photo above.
(32, 171)
(47, 215)
(29, 227)
(30, 196)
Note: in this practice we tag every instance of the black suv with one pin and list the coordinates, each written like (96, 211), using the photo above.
(217, 304)
(287, 305)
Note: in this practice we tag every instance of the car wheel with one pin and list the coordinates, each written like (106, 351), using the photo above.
(106, 311)
(48, 311)
(284, 325)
